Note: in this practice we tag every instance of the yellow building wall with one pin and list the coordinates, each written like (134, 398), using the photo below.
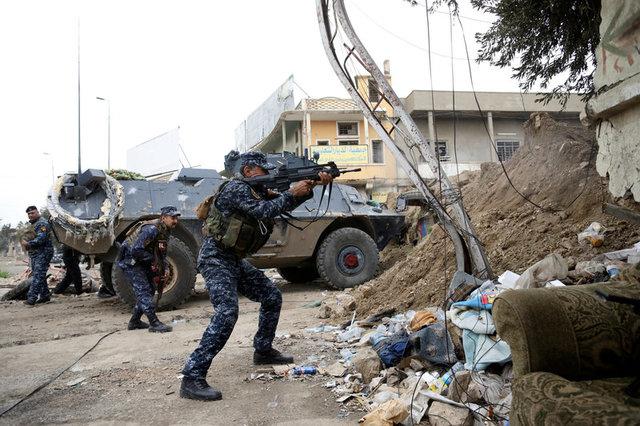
(328, 130)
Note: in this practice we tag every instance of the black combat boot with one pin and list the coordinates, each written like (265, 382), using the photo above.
(198, 389)
(155, 326)
(135, 323)
(271, 356)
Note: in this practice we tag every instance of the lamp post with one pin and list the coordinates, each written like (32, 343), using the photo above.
(108, 130)
(53, 178)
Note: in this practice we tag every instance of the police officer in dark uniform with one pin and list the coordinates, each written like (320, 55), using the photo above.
(239, 222)
(71, 259)
(40, 251)
(143, 255)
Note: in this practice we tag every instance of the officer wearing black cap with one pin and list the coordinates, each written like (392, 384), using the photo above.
(239, 222)
(40, 251)
(141, 253)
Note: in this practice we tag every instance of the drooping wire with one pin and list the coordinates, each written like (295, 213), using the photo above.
(42, 386)
(495, 148)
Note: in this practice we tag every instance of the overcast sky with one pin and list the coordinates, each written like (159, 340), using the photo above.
(200, 65)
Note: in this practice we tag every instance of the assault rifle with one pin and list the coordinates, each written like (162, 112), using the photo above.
(282, 178)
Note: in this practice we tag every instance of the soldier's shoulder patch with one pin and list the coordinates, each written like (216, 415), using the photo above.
(255, 194)
(43, 228)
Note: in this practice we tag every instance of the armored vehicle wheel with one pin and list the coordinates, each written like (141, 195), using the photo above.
(347, 257)
(298, 275)
(182, 278)
(18, 292)
(105, 275)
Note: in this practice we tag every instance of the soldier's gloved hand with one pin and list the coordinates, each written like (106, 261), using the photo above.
(325, 179)
(301, 188)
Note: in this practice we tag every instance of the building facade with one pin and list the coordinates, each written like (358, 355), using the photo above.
(474, 128)
(470, 129)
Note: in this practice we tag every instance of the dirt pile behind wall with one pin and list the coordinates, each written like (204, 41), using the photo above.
(555, 169)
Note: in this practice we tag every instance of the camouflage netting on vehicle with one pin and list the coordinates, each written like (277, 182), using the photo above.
(91, 230)
(122, 174)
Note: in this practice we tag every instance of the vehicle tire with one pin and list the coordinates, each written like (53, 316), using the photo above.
(299, 275)
(105, 275)
(182, 278)
(19, 292)
(347, 257)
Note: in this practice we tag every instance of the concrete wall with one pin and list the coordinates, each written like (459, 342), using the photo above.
(616, 110)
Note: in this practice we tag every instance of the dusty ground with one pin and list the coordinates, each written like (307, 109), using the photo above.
(133, 376)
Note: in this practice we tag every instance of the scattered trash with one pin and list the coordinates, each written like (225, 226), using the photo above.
(313, 304)
(274, 403)
(612, 270)
(350, 335)
(76, 382)
(593, 234)
(305, 370)
(552, 267)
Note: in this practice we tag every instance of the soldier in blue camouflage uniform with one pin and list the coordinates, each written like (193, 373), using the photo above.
(40, 251)
(235, 208)
(140, 254)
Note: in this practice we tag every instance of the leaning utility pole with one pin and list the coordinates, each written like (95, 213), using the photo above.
(465, 240)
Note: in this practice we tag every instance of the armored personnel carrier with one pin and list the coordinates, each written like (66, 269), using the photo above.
(334, 236)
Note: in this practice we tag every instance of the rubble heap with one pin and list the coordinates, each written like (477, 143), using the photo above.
(555, 169)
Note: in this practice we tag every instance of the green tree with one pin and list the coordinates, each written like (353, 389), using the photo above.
(7, 233)
(539, 40)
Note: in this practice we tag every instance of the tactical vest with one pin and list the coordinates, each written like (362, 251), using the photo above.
(149, 245)
(240, 233)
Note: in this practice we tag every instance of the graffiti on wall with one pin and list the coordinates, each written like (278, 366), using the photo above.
(620, 41)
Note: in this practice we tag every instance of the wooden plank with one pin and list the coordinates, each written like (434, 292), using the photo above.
(622, 213)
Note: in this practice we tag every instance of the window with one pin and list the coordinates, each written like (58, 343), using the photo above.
(374, 93)
(377, 152)
(442, 151)
(348, 129)
(348, 142)
(322, 142)
(506, 149)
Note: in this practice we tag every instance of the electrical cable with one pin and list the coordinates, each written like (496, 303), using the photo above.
(403, 39)
(496, 148)
(42, 386)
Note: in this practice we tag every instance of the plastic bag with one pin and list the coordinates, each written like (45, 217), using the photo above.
(594, 234)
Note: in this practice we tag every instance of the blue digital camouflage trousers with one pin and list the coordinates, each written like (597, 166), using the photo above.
(226, 276)
(39, 268)
(141, 279)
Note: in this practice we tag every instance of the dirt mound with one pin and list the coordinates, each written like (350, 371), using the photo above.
(555, 170)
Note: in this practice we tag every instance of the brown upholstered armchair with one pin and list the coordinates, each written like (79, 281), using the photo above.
(573, 353)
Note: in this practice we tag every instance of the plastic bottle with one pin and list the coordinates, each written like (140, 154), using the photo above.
(305, 370)
(447, 377)
(443, 382)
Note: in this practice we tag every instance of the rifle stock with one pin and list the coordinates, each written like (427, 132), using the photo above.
(283, 177)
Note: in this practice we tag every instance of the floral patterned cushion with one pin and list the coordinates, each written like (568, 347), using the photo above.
(572, 352)
(548, 399)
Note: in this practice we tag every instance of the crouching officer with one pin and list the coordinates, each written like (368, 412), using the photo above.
(143, 258)
(239, 222)
(40, 251)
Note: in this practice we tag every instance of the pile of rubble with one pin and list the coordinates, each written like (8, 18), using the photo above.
(555, 169)
(418, 341)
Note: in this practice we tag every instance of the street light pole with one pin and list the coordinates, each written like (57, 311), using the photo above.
(53, 178)
(108, 130)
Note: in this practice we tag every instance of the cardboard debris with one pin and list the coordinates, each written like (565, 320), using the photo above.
(336, 370)
(388, 414)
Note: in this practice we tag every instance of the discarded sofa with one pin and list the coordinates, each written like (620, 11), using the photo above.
(574, 353)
